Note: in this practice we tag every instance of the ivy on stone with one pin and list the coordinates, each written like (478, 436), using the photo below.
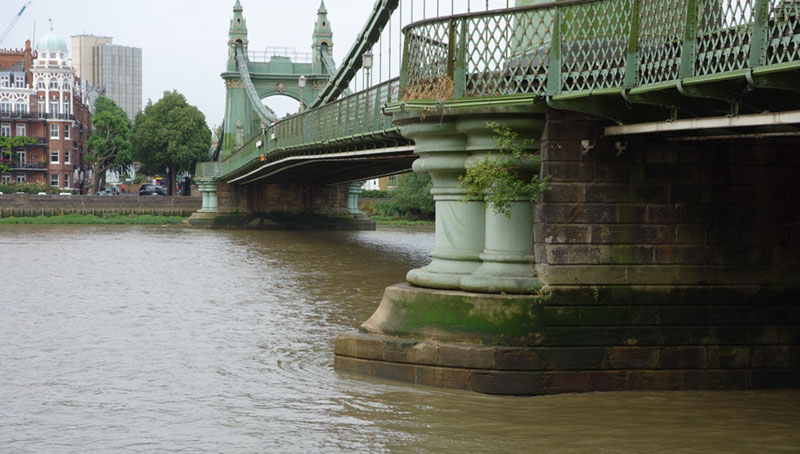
(504, 175)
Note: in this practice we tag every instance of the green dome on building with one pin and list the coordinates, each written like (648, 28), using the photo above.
(51, 41)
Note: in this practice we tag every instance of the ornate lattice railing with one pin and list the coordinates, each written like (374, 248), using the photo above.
(601, 44)
(346, 123)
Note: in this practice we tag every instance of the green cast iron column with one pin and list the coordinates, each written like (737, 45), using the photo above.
(459, 223)
(354, 189)
(507, 258)
(208, 189)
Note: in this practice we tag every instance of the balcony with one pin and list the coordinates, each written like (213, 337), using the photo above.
(35, 116)
(28, 116)
(25, 166)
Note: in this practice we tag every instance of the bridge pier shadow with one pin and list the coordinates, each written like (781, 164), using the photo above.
(661, 262)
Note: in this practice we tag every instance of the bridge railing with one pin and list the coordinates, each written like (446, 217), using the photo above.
(339, 124)
(599, 44)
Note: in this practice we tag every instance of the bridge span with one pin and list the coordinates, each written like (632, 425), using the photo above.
(666, 254)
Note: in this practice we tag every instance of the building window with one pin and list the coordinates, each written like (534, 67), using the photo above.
(54, 180)
(66, 131)
(54, 131)
(5, 130)
(65, 106)
(40, 84)
(20, 179)
(54, 107)
(41, 106)
(5, 107)
(22, 157)
(5, 81)
(21, 108)
(5, 179)
(66, 157)
(21, 130)
(54, 84)
(65, 85)
(54, 157)
(19, 81)
(66, 180)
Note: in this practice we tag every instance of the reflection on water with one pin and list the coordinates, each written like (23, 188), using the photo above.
(151, 339)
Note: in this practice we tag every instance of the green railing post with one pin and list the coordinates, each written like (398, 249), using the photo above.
(632, 59)
(452, 41)
(689, 45)
(760, 38)
(460, 76)
(403, 72)
(376, 120)
(554, 68)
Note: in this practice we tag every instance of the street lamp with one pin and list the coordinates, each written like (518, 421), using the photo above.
(301, 82)
(366, 62)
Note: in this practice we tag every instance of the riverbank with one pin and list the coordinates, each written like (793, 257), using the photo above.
(90, 219)
(396, 221)
(26, 205)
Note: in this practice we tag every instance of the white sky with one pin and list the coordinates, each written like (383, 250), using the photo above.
(184, 42)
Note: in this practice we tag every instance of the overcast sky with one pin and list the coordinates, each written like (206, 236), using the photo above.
(184, 41)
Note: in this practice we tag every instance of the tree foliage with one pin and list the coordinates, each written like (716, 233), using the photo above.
(109, 146)
(506, 174)
(170, 135)
(413, 195)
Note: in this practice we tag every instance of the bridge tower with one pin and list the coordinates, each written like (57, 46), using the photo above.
(322, 46)
(236, 112)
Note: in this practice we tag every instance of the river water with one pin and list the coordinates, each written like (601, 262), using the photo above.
(163, 339)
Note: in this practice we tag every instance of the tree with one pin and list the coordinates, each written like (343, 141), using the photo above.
(7, 144)
(413, 198)
(171, 135)
(110, 143)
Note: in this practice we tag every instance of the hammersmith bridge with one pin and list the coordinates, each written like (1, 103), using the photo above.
(666, 253)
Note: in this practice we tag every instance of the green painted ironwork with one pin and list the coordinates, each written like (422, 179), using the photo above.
(565, 51)
(511, 52)
(349, 123)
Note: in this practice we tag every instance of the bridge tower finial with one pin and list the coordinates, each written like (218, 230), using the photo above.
(237, 34)
(322, 45)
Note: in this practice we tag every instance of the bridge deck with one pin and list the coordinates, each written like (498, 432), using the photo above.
(627, 60)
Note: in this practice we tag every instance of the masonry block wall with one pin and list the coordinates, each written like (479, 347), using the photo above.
(669, 264)
(20, 205)
(278, 198)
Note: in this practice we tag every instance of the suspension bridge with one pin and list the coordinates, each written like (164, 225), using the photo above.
(665, 255)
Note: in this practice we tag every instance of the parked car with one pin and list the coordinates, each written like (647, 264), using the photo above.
(108, 190)
(152, 189)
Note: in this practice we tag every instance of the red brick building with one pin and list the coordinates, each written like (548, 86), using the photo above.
(41, 97)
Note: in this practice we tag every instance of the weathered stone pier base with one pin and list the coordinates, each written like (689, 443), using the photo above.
(602, 339)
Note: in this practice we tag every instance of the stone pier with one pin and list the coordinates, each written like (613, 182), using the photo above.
(655, 263)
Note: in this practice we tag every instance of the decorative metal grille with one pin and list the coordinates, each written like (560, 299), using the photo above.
(661, 28)
(508, 54)
(428, 47)
(725, 29)
(784, 31)
(594, 44)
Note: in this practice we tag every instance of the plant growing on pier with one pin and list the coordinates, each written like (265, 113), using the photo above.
(110, 143)
(505, 174)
